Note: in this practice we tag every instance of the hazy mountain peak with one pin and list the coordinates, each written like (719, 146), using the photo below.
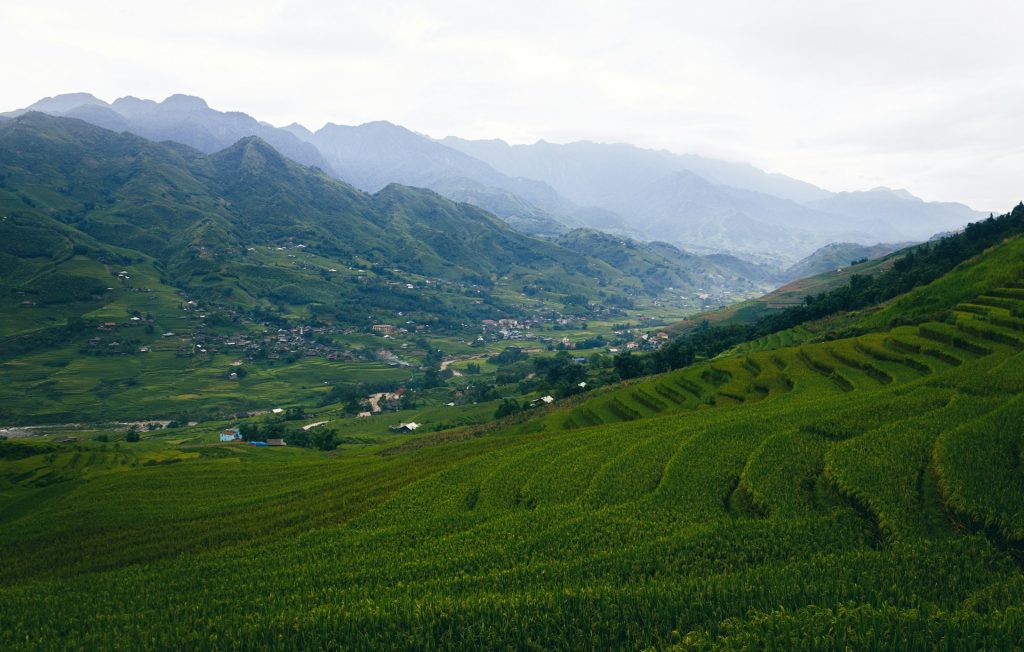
(898, 192)
(185, 102)
(299, 131)
(130, 106)
(383, 125)
(65, 102)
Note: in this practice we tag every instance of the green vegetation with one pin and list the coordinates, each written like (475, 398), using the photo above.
(145, 280)
(859, 492)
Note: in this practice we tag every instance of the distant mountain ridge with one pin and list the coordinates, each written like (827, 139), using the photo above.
(701, 204)
(374, 154)
(369, 156)
(197, 216)
(184, 207)
(897, 214)
(735, 206)
(180, 118)
(588, 172)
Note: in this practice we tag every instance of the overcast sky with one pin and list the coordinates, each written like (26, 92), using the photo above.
(922, 94)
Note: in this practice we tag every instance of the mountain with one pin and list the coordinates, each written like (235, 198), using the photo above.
(368, 156)
(179, 118)
(896, 214)
(683, 200)
(738, 208)
(661, 266)
(103, 232)
(697, 203)
(591, 173)
(686, 209)
(372, 155)
(838, 255)
(192, 211)
(226, 227)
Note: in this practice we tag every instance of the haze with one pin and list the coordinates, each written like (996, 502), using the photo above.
(847, 95)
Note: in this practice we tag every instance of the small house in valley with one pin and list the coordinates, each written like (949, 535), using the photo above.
(231, 434)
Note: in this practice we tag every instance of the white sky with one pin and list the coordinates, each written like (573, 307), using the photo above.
(922, 94)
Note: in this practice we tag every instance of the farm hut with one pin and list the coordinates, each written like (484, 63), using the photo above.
(405, 427)
(276, 442)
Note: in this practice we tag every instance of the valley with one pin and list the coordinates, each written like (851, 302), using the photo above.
(257, 393)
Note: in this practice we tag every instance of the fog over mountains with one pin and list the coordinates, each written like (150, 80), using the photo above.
(696, 203)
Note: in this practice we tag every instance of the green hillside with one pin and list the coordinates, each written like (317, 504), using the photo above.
(857, 493)
(193, 212)
(137, 275)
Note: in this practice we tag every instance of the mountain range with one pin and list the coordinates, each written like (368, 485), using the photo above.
(246, 228)
(696, 203)
(709, 205)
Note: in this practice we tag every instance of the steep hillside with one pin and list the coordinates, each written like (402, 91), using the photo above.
(855, 493)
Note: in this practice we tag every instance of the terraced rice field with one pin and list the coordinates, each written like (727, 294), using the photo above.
(862, 493)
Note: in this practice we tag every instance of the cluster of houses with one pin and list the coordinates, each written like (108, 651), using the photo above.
(635, 340)
(106, 344)
(390, 330)
(518, 329)
(274, 344)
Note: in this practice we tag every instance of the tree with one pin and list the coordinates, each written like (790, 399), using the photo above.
(559, 369)
(628, 365)
(432, 378)
(508, 406)
(132, 434)
(323, 438)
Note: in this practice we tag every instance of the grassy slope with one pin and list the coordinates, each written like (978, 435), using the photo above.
(830, 495)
